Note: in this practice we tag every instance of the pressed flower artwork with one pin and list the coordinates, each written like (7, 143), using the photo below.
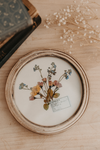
(46, 89)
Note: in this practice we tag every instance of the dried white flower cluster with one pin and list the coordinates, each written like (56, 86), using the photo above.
(75, 21)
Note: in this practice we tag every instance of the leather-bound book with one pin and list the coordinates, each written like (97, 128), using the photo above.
(13, 18)
(10, 45)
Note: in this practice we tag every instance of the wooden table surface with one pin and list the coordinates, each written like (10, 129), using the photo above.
(85, 134)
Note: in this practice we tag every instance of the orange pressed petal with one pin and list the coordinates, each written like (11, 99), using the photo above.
(38, 88)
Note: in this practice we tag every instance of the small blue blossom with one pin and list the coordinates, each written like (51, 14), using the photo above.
(49, 76)
(70, 71)
(34, 69)
(48, 70)
(65, 71)
(22, 85)
(53, 72)
(67, 77)
(54, 66)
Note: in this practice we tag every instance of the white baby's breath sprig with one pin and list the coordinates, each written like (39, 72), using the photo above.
(75, 21)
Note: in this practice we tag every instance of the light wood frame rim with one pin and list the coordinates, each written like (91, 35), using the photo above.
(16, 113)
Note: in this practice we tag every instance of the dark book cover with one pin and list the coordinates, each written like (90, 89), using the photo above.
(11, 46)
(13, 18)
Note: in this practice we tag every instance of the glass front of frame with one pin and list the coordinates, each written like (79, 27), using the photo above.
(61, 108)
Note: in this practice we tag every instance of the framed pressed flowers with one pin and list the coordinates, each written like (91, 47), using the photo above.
(47, 91)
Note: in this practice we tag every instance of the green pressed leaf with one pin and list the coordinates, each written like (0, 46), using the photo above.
(46, 106)
(56, 95)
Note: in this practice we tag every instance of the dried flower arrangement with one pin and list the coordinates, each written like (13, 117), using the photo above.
(46, 89)
(75, 21)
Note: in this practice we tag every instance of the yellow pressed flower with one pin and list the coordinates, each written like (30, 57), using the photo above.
(35, 90)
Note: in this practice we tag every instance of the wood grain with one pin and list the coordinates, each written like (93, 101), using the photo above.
(85, 134)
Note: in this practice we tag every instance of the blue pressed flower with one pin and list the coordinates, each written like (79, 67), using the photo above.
(52, 71)
(20, 87)
(65, 71)
(34, 69)
(24, 84)
(70, 73)
(67, 77)
(54, 66)
(49, 75)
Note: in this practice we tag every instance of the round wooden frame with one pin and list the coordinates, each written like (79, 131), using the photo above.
(16, 113)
